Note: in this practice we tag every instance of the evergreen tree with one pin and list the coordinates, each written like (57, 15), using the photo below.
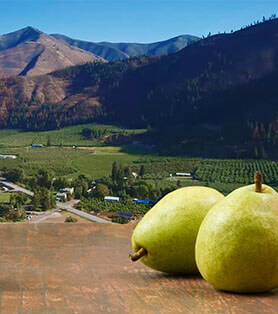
(44, 178)
(115, 170)
(36, 200)
(142, 171)
(48, 141)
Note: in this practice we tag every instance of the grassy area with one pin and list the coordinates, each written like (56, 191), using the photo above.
(68, 136)
(5, 197)
(95, 162)
(98, 163)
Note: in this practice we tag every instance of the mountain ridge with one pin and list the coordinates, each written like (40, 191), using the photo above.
(219, 90)
(29, 51)
(122, 50)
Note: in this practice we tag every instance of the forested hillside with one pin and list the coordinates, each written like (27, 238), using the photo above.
(216, 96)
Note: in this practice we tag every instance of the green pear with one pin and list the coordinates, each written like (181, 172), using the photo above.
(237, 244)
(165, 238)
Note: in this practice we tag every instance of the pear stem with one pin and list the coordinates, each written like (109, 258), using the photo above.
(137, 255)
(258, 178)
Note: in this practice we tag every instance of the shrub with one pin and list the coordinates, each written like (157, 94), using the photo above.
(120, 220)
(70, 219)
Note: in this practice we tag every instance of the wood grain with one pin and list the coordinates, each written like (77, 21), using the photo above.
(67, 268)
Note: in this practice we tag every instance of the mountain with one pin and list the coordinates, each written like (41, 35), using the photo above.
(218, 92)
(31, 52)
(122, 51)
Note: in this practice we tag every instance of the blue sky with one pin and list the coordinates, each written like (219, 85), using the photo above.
(132, 20)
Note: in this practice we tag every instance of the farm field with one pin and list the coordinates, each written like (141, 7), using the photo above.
(67, 136)
(96, 160)
(236, 171)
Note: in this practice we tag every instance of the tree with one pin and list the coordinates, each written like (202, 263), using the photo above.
(43, 199)
(120, 177)
(154, 194)
(81, 185)
(101, 190)
(44, 178)
(18, 199)
(60, 183)
(115, 170)
(47, 201)
(4, 209)
(142, 191)
(48, 141)
(14, 174)
(87, 133)
(16, 214)
(128, 172)
(36, 200)
(78, 192)
(142, 171)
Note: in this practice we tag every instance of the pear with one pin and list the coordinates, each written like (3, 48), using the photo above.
(237, 244)
(165, 238)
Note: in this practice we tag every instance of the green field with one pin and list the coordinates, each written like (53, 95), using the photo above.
(96, 160)
(68, 136)
(236, 171)
(5, 197)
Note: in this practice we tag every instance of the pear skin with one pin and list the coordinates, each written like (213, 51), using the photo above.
(237, 244)
(165, 238)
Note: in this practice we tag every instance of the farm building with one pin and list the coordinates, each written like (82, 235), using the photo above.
(111, 199)
(62, 197)
(69, 191)
(8, 156)
(183, 174)
(138, 201)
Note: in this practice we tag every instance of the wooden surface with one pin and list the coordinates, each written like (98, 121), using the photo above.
(67, 268)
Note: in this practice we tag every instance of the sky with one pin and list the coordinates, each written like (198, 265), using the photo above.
(132, 20)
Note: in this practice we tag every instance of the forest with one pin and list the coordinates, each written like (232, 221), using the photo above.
(215, 98)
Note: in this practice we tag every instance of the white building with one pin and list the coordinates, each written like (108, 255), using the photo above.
(8, 156)
(69, 191)
(183, 174)
(111, 199)
(61, 197)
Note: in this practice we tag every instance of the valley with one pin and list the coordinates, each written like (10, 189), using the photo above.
(140, 120)
(95, 169)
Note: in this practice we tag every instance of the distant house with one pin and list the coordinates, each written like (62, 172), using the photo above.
(68, 191)
(183, 174)
(138, 201)
(61, 197)
(111, 199)
(127, 215)
(36, 145)
(8, 156)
